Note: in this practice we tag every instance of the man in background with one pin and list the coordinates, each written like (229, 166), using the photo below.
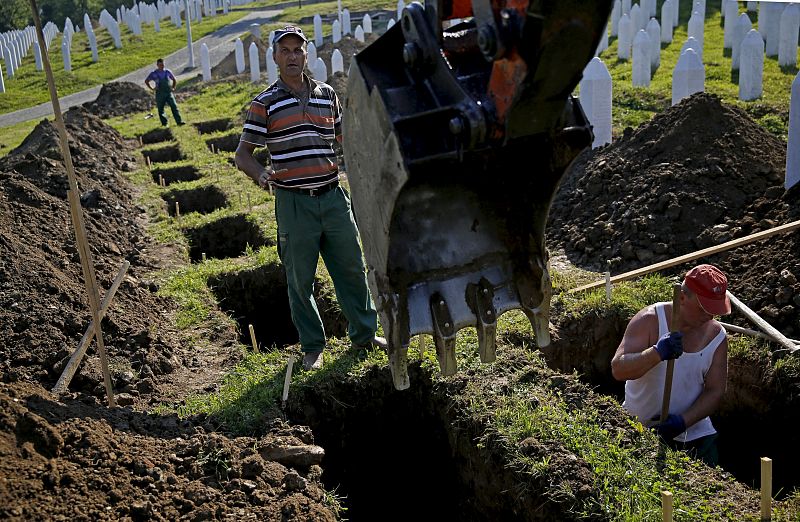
(164, 87)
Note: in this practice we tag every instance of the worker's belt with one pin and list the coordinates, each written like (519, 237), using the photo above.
(313, 192)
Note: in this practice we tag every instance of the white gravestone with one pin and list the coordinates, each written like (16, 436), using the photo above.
(596, 87)
(688, 76)
(740, 30)
(771, 32)
(272, 69)
(9, 61)
(2, 83)
(666, 22)
(239, 51)
(205, 63)
(337, 62)
(616, 12)
(626, 7)
(641, 60)
(390, 24)
(625, 37)
(255, 70)
(37, 55)
(318, 30)
(400, 6)
(690, 43)
(337, 31)
(311, 51)
(66, 55)
(636, 19)
(751, 66)
(367, 23)
(255, 30)
(602, 45)
(676, 10)
(87, 23)
(696, 27)
(731, 10)
(321, 71)
(346, 27)
(793, 145)
(654, 33)
(790, 24)
(359, 34)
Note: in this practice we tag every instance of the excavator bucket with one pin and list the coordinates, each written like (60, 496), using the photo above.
(455, 142)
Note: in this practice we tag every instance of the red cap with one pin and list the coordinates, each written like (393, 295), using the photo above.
(710, 285)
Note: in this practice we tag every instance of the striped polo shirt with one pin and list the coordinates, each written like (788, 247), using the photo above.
(298, 133)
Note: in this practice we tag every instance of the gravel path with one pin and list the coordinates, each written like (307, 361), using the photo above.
(220, 44)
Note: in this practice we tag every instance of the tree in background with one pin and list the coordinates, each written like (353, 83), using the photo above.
(14, 14)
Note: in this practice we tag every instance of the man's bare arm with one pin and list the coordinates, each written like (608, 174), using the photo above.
(249, 165)
(636, 354)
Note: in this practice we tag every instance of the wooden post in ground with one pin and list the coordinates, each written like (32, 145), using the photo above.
(766, 489)
(77, 355)
(87, 263)
(149, 164)
(141, 143)
(212, 149)
(160, 180)
(608, 285)
(204, 257)
(423, 342)
(761, 323)
(287, 380)
(673, 327)
(666, 506)
(178, 210)
(253, 338)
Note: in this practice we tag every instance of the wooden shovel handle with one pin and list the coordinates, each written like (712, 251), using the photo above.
(676, 313)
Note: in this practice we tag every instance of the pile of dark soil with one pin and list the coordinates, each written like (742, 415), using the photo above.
(699, 174)
(120, 98)
(112, 464)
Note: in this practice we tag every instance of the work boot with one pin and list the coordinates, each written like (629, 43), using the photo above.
(312, 361)
(375, 342)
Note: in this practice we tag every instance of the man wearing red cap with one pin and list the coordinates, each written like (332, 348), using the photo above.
(699, 346)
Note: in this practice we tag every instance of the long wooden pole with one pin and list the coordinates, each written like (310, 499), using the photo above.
(77, 355)
(75, 209)
(673, 327)
(692, 256)
(753, 333)
(761, 323)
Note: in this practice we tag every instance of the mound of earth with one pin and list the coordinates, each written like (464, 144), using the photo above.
(699, 174)
(120, 98)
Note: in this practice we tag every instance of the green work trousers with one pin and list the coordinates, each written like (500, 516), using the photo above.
(164, 98)
(310, 226)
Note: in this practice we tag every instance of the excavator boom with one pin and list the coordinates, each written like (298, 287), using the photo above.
(459, 124)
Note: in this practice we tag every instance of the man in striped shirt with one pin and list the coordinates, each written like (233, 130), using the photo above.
(297, 119)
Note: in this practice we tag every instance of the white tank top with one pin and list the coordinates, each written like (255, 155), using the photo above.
(643, 396)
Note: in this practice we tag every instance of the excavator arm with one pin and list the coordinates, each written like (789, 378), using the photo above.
(459, 124)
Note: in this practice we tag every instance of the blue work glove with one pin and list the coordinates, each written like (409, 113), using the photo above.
(670, 346)
(673, 426)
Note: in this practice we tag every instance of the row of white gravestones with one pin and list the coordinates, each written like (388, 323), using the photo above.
(315, 64)
(669, 13)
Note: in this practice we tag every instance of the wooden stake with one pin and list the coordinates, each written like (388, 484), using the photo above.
(673, 327)
(212, 149)
(77, 355)
(287, 379)
(149, 165)
(253, 338)
(204, 257)
(85, 253)
(761, 323)
(692, 256)
(141, 143)
(608, 288)
(423, 345)
(766, 489)
(178, 210)
(666, 506)
(160, 180)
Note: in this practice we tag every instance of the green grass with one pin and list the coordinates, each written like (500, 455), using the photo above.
(634, 105)
(12, 136)
(29, 86)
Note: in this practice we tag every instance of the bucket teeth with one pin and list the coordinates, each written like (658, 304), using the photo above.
(480, 299)
(535, 300)
(444, 335)
(398, 360)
